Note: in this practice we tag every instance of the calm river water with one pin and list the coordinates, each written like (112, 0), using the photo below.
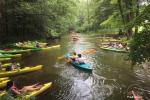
(112, 78)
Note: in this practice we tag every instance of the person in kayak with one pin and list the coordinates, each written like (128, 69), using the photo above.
(14, 66)
(13, 90)
(80, 60)
(37, 45)
(72, 57)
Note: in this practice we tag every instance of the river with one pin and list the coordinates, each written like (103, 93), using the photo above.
(112, 78)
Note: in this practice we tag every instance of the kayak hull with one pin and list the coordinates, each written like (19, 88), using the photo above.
(39, 49)
(20, 71)
(3, 83)
(10, 55)
(114, 50)
(6, 65)
(14, 51)
(29, 95)
(35, 93)
(5, 59)
(4, 78)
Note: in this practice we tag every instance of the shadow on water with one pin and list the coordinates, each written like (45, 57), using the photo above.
(110, 79)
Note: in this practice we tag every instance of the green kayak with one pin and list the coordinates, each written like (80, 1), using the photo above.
(9, 55)
(113, 49)
(5, 59)
(14, 51)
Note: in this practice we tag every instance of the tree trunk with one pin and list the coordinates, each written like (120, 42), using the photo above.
(129, 16)
(121, 11)
(137, 13)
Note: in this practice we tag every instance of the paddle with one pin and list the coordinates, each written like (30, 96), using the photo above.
(89, 51)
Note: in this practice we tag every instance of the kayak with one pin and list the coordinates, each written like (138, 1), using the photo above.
(39, 49)
(3, 83)
(113, 49)
(9, 55)
(47, 48)
(5, 59)
(6, 65)
(29, 95)
(84, 66)
(4, 78)
(20, 71)
(14, 51)
(37, 92)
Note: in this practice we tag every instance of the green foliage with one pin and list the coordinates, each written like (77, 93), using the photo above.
(113, 21)
(103, 11)
(114, 1)
(141, 19)
(36, 18)
(140, 47)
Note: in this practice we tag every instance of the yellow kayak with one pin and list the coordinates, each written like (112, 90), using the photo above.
(47, 48)
(4, 78)
(3, 83)
(33, 48)
(37, 92)
(34, 93)
(20, 71)
(6, 65)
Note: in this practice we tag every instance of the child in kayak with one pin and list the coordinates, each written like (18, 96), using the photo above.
(72, 57)
(13, 90)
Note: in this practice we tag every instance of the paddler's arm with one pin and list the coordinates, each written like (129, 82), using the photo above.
(16, 91)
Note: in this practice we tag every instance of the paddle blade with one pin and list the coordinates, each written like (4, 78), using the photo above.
(61, 57)
(89, 51)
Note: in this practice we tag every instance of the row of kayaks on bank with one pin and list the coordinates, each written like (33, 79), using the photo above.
(25, 49)
(8, 53)
(5, 71)
(4, 79)
(33, 46)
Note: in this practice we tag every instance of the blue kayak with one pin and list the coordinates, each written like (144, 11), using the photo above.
(83, 66)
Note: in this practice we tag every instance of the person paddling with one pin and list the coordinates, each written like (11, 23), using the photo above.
(80, 60)
(72, 57)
